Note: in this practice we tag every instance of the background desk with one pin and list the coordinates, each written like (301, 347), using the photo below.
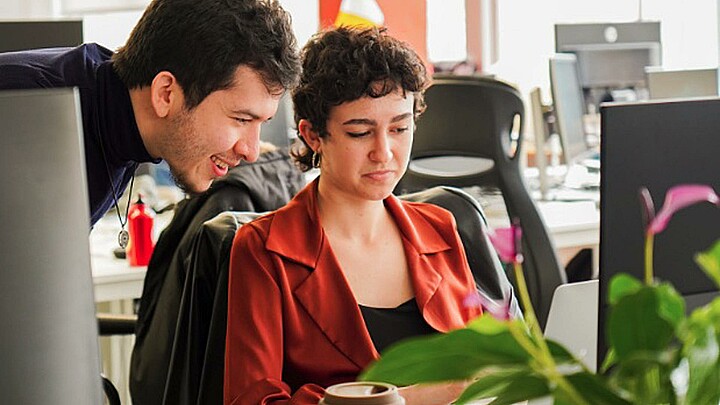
(572, 226)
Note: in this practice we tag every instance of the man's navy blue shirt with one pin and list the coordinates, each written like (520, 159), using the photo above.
(107, 114)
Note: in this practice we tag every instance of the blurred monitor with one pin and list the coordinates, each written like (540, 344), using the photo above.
(280, 129)
(664, 83)
(657, 145)
(49, 331)
(33, 34)
(568, 106)
(611, 55)
(541, 134)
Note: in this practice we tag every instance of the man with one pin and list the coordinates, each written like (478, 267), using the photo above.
(192, 86)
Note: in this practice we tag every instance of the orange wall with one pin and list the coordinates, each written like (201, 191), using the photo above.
(405, 20)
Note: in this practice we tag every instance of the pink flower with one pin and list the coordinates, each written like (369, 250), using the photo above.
(646, 202)
(679, 197)
(498, 311)
(507, 243)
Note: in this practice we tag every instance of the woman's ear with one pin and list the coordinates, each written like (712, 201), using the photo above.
(165, 94)
(310, 136)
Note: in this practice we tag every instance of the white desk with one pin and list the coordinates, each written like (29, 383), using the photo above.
(114, 278)
(572, 226)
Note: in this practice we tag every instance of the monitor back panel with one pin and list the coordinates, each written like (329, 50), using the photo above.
(657, 145)
(682, 83)
(49, 331)
(21, 35)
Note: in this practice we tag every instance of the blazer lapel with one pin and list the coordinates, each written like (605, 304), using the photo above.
(422, 243)
(325, 293)
(337, 314)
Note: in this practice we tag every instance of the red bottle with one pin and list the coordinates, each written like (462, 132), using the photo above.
(140, 226)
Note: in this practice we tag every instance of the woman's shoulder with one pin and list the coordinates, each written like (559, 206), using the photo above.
(258, 228)
(430, 212)
(281, 217)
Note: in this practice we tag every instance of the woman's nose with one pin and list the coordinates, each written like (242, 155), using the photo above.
(382, 151)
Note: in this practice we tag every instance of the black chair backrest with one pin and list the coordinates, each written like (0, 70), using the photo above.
(195, 372)
(196, 367)
(482, 118)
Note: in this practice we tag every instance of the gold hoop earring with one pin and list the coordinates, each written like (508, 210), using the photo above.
(315, 160)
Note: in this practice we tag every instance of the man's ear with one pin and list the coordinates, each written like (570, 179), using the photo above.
(165, 94)
(311, 137)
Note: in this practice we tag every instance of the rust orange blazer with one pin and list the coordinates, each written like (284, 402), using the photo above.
(294, 326)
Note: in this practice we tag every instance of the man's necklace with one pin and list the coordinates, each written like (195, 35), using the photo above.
(123, 236)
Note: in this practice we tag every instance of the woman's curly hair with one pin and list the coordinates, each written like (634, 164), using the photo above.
(345, 64)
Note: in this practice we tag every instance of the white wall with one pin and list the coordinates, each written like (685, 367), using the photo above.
(526, 34)
(111, 28)
(11, 9)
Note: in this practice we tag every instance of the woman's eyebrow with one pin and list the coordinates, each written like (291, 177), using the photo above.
(368, 121)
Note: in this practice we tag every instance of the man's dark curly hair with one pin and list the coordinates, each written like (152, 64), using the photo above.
(345, 64)
(203, 42)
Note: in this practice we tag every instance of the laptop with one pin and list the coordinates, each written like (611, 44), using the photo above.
(573, 320)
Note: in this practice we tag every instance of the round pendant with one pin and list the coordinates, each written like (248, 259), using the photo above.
(123, 238)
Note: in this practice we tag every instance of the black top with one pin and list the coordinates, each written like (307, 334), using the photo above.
(107, 112)
(390, 325)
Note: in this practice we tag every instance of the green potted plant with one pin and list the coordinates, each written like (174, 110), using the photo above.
(666, 357)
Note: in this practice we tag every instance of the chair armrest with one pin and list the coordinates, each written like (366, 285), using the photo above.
(114, 324)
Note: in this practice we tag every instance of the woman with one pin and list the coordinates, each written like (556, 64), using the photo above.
(319, 287)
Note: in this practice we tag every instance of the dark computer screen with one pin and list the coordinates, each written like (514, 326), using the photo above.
(20, 35)
(657, 145)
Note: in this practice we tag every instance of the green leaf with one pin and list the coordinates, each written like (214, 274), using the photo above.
(457, 355)
(621, 285)
(520, 389)
(610, 360)
(645, 376)
(704, 370)
(635, 324)
(671, 304)
(492, 385)
(594, 389)
(702, 351)
(488, 325)
(709, 261)
(560, 353)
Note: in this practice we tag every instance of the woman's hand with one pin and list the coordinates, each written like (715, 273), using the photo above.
(433, 394)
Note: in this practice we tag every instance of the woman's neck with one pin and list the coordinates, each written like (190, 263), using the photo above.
(356, 219)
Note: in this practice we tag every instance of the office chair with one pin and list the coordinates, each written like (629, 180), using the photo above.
(197, 352)
(471, 135)
(265, 185)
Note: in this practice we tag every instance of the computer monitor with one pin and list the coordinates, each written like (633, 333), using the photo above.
(568, 106)
(541, 135)
(32, 34)
(49, 331)
(611, 55)
(657, 145)
(279, 130)
(663, 83)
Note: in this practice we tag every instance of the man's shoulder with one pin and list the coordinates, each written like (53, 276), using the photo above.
(51, 67)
